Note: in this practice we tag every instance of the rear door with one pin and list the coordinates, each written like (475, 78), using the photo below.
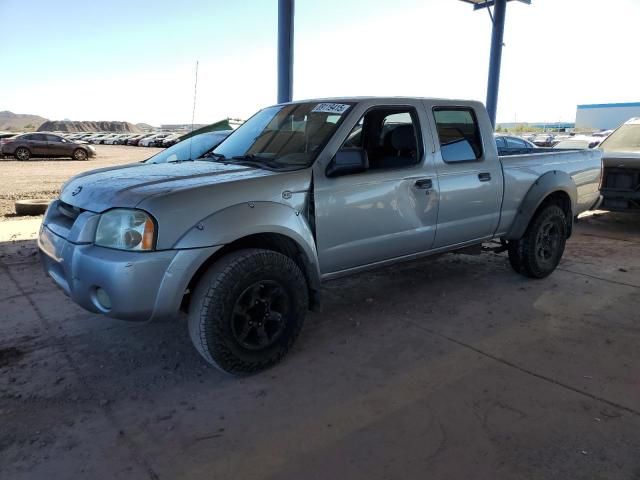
(38, 144)
(469, 175)
(388, 211)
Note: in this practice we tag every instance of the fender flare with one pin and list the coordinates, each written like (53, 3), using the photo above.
(242, 220)
(548, 183)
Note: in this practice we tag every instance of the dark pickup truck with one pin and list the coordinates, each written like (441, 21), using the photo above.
(621, 160)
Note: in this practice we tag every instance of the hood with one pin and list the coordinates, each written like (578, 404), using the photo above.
(180, 195)
(128, 185)
(621, 159)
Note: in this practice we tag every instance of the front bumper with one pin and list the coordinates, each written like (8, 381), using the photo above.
(140, 286)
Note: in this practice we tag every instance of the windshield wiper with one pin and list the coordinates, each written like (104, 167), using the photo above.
(257, 160)
(211, 154)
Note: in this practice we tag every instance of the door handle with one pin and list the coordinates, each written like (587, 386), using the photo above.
(424, 183)
(484, 177)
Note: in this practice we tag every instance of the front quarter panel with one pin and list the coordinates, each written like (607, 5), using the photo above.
(242, 220)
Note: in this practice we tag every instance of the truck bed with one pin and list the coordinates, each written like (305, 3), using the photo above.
(521, 171)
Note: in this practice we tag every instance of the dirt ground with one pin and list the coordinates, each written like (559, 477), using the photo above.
(452, 368)
(42, 177)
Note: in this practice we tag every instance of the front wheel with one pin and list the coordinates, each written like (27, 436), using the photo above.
(248, 310)
(539, 251)
(79, 154)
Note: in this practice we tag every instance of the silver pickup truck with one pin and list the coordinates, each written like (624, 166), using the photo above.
(242, 238)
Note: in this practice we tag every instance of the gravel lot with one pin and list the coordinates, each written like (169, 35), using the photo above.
(450, 368)
(42, 178)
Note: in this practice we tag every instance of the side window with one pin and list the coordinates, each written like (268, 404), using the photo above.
(390, 137)
(515, 143)
(500, 142)
(39, 137)
(53, 138)
(26, 137)
(458, 133)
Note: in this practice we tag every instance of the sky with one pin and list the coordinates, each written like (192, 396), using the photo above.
(135, 60)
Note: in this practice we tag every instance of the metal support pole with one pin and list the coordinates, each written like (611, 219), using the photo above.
(497, 36)
(285, 50)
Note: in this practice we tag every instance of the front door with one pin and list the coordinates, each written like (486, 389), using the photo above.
(57, 147)
(388, 210)
(469, 176)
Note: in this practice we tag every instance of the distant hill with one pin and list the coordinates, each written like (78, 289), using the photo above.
(71, 126)
(19, 122)
(144, 126)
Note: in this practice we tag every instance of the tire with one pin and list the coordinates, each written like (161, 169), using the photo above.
(80, 154)
(31, 207)
(538, 252)
(247, 310)
(23, 154)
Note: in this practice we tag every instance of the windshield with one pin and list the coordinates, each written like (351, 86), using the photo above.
(284, 136)
(191, 148)
(624, 139)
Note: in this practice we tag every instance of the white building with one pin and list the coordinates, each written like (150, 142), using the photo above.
(605, 116)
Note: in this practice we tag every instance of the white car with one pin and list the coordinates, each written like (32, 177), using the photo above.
(153, 140)
(115, 139)
(97, 138)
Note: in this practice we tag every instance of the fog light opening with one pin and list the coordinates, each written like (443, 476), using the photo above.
(102, 300)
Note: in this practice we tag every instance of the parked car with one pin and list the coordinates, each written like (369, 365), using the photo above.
(302, 193)
(172, 139)
(134, 140)
(193, 148)
(97, 138)
(509, 144)
(115, 139)
(543, 140)
(7, 134)
(579, 142)
(621, 181)
(603, 133)
(30, 145)
(153, 140)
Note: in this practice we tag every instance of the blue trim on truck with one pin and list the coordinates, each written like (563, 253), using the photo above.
(609, 105)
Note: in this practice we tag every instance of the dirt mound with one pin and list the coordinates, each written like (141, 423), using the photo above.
(19, 122)
(71, 126)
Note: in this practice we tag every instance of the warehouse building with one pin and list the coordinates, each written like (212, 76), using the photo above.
(605, 116)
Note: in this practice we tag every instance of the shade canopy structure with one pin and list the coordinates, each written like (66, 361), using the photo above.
(478, 4)
(285, 49)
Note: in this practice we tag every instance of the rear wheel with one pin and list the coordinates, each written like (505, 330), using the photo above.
(79, 154)
(22, 154)
(247, 310)
(539, 251)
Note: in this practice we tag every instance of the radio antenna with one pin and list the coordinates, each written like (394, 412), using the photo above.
(193, 112)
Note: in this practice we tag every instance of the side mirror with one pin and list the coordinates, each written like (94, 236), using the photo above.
(348, 161)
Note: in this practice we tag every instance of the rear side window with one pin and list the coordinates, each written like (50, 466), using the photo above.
(39, 137)
(458, 133)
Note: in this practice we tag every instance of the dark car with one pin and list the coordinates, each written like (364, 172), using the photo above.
(135, 140)
(28, 145)
(511, 145)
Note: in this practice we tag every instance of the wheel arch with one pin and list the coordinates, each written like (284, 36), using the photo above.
(553, 187)
(273, 241)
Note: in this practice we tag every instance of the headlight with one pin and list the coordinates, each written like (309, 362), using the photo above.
(126, 229)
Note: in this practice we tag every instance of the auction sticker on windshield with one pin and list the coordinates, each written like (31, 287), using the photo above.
(338, 108)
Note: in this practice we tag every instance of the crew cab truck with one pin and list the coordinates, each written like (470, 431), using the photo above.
(242, 238)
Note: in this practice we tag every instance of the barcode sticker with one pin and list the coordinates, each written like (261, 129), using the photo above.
(337, 108)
